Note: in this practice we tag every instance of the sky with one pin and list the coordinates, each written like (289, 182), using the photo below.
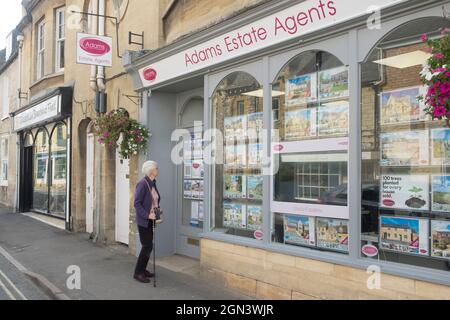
(10, 15)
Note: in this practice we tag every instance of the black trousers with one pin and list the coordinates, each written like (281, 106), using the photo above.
(146, 237)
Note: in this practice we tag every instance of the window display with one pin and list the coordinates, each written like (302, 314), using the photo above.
(310, 187)
(238, 183)
(405, 161)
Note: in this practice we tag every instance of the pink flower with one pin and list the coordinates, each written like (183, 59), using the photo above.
(447, 74)
(430, 50)
(111, 143)
(107, 135)
(424, 37)
(445, 30)
(440, 112)
(439, 56)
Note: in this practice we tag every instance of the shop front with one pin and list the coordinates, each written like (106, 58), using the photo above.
(44, 131)
(317, 161)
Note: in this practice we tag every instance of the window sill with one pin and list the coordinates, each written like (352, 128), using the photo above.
(3, 183)
(47, 77)
(4, 118)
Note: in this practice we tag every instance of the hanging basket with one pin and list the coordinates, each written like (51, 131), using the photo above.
(116, 130)
(436, 77)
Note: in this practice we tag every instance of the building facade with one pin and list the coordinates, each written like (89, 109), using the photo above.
(288, 113)
(285, 133)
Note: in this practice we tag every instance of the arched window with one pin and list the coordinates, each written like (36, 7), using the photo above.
(41, 166)
(310, 101)
(237, 110)
(58, 185)
(405, 155)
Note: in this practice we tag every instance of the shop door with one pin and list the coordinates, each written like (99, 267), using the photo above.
(122, 200)
(191, 181)
(90, 183)
(27, 179)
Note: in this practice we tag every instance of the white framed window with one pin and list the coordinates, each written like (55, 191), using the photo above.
(4, 154)
(5, 102)
(9, 44)
(40, 50)
(60, 38)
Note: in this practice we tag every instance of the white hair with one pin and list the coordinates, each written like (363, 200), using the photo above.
(148, 166)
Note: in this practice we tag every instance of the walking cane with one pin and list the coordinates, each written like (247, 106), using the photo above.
(154, 253)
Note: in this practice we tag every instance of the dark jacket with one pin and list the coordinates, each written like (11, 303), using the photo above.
(143, 201)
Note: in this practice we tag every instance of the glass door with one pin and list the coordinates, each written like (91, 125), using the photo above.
(58, 179)
(191, 173)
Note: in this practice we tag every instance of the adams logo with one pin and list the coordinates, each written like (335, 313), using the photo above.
(94, 46)
(150, 74)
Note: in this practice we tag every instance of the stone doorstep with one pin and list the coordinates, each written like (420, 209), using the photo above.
(54, 222)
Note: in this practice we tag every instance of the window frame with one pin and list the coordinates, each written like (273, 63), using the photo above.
(358, 42)
(40, 49)
(60, 21)
(4, 160)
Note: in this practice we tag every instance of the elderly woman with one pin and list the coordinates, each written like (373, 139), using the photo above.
(146, 199)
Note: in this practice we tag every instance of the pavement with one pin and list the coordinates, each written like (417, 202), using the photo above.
(53, 258)
(15, 285)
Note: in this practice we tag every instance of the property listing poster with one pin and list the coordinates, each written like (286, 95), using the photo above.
(235, 128)
(404, 235)
(235, 187)
(195, 219)
(234, 215)
(193, 169)
(301, 90)
(188, 188)
(255, 187)
(241, 156)
(405, 148)
(402, 106)
(440, 146)
(299, 230)
(254, 217)
(334, 83)
(197, 189)
(441, 193)
(408, 192)
(254, 125)
(255, 154)
(300, 124)
(332, 234)
(230, 155)
(440, 239)
(333, 120)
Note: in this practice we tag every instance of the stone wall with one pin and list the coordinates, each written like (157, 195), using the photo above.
(268, 275)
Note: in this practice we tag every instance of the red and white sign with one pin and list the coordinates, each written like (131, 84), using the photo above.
(94, 50)
(293, 22)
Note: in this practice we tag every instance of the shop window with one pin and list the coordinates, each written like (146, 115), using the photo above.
(41, 166)
(238, 186)
(4, 155)
(405, 173)
(58, 160)
(311, 114)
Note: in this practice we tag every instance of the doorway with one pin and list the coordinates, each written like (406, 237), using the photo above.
(90, 148)
(122, 199)
(26, 184)
(190, 175)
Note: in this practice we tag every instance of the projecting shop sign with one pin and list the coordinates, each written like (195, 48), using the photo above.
(94, 50)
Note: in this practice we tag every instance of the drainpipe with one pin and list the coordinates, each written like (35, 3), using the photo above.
(101, 32)
(94, 30)
(20, 40)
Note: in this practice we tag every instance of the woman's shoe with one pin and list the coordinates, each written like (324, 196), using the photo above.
(141, 278)
(148, 274)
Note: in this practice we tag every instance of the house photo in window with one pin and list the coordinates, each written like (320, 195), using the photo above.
(310, 205)
(405, 211)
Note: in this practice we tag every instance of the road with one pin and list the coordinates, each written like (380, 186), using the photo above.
(14, 285)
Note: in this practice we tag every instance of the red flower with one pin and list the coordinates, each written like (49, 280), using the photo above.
(424, 37)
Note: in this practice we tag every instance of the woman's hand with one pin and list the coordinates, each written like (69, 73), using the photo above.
(152, 215)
